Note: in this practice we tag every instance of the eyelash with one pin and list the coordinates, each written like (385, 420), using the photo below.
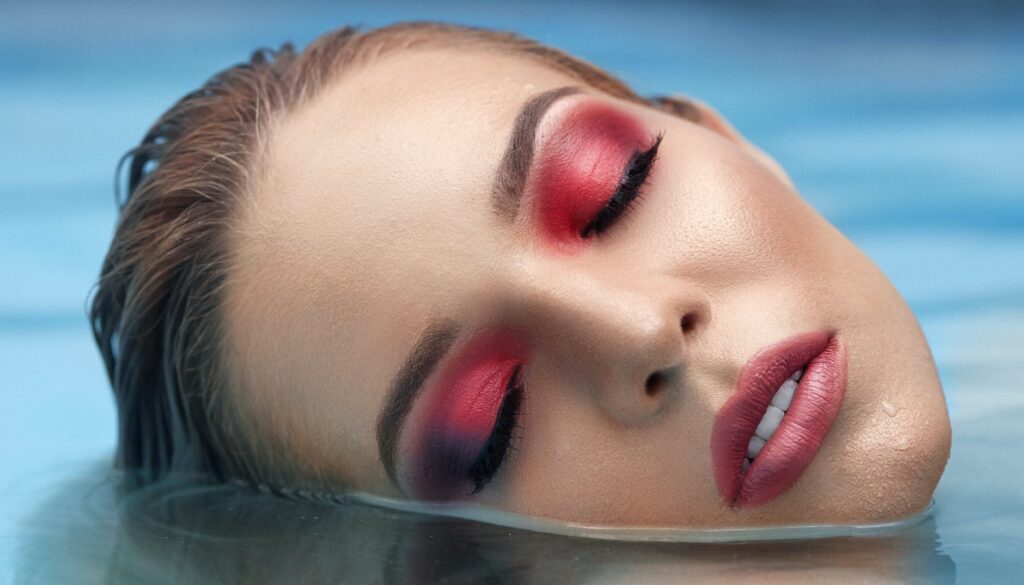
(633, 179)
(498, 444)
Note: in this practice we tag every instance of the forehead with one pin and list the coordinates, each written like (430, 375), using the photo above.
(393, 164)
(392, 149)
(371, 215)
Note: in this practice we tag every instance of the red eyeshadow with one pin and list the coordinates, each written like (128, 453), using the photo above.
(580, 167)
(459, 415)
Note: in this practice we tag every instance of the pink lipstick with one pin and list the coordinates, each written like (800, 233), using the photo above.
(779, 461)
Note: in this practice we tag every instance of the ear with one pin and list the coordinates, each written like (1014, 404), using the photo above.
(698, 112)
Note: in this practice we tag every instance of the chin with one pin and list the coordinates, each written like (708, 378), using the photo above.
(887, 449)
(890, 464)
(903, 474)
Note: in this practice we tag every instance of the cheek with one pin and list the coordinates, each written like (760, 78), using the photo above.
(580, 168)
(571, 465)
(714, 211)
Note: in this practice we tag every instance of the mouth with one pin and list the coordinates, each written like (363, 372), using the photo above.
(770, 429)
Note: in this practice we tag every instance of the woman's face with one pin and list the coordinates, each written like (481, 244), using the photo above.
(456, 279)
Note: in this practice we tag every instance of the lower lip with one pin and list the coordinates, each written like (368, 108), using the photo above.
(807, 421)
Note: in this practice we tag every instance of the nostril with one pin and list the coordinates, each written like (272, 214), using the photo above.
(688, 322)
(655, 382)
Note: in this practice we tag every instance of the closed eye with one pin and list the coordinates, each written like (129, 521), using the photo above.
(628, 190)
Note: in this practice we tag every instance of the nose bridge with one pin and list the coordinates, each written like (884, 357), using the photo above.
(612, 329)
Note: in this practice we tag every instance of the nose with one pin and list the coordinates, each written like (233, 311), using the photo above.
(622, 338)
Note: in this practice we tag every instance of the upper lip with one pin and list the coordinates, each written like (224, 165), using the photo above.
(805, 425)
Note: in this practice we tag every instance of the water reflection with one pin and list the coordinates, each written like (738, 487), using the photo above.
(182, 532)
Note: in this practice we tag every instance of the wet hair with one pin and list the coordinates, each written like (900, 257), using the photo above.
(156, 313)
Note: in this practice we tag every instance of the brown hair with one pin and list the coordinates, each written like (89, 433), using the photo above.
(156, 313)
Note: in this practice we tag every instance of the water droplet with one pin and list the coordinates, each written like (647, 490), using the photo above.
(890, 409)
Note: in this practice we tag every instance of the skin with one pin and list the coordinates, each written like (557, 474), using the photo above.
(371, 217)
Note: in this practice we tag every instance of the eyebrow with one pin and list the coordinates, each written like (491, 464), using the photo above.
(434, 342)
(509, 182)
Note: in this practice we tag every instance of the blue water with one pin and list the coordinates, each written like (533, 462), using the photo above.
(903, 126)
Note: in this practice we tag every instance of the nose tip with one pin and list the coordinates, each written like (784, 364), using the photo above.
(667, 357)
(651, 379)
(626, 337)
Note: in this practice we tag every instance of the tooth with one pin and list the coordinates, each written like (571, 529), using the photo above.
(746, 465)
(770, 422)
(784, 396)
(797, 375)
(754, 446)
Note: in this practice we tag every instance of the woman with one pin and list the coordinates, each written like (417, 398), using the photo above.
(447, 264)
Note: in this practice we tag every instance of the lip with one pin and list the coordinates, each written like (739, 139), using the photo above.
(792, 447)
